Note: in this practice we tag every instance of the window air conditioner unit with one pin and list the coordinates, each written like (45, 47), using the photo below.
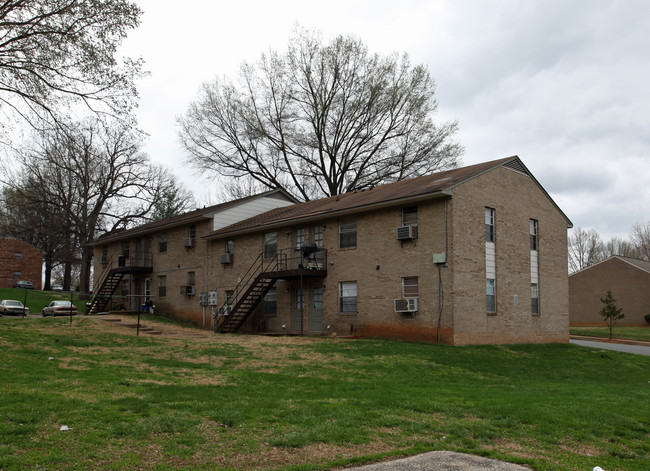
(407, 232)
(226, 258)
(225, 310)
(406, 305)
(189, 291)
(188, 242)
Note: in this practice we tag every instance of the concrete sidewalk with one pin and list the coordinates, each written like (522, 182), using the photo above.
(442, 461)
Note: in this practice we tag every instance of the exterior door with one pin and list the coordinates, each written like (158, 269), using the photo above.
(316, 309)
(297, 305)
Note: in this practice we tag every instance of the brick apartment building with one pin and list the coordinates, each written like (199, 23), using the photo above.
(473, 255)
(627, 278)
(19, 261)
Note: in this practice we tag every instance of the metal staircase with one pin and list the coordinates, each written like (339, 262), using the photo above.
(261, 277)
(112, 276)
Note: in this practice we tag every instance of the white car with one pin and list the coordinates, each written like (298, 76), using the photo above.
(60, 308)
(12, 307)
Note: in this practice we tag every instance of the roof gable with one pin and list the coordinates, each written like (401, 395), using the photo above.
(635, 263)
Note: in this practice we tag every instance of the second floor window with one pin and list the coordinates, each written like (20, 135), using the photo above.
(534, 241)
(192, 231)
(230, 246)
(18, 255)
(410, 216)
(270, 244)
(348, 232)
(490, 234)
(162, 286)
(162, 243)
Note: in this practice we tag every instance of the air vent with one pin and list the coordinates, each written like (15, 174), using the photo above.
(517, 166)
(188, 242)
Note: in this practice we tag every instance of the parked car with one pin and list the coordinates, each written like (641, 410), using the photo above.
(24, 284)
(59, 308)
(12, 307)
(58, 288)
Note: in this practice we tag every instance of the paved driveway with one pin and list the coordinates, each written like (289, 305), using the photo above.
(619, 347)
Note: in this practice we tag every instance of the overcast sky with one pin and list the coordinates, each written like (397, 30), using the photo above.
(565, 85)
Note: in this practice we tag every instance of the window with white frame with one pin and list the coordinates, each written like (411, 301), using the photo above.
(230, 246)
(491, 295)
(534, 298)
(534, 242)
(490, 233)
(270, 244)
(18, 255)
(348, 297)
(316, 235)
(348, 232)
(410, 287)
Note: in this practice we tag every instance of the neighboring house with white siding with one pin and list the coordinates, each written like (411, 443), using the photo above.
(470, 255)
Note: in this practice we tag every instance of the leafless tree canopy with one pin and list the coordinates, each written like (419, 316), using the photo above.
(94, 177)
(320, 119)
(61, 52)
(585, 249)
(641, 238)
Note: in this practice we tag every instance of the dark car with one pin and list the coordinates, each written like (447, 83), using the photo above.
(24, 284)
(12, 307)
(60, 308)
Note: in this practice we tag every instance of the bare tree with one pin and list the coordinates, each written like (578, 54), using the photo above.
(320, 119)
(641, 238)
(99, 179)
(618, 246)
(62, 52)
(585, 249)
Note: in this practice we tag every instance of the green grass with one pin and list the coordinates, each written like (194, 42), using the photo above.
(619, 332)
(37, 300)
(248, 402)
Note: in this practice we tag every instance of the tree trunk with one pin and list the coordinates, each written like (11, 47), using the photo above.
(86, 264)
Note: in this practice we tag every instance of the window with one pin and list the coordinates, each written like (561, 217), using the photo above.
(125, 248)
(17, 274)
(125, 288)
(18, 255)
(230, 297)
(192, 231)
(162, 286)
(230, 246)
(489, 225)
(191, 278)
(410, 287)
(270, 303)
(534, 242)
(491, 298)
(316, 235)
(348, 297)
(534, 298)
(410, 216)
(270, 244)
(348, 233)
(162, 243)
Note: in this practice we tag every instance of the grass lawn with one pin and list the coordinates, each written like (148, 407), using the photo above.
(37, 300)
(192, 400)
(619, 332)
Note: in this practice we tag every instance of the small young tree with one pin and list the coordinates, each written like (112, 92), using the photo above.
(610, 312)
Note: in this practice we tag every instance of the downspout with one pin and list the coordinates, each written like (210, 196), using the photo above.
(440, 293)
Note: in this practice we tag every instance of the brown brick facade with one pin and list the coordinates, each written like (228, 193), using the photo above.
(450, 222)
(630, 286)
(19, 261)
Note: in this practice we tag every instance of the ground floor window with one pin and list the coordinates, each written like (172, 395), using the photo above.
(491, 298)
(348, 297)
(162, 286)
(534, 298)
(410, 287)
(270, 303)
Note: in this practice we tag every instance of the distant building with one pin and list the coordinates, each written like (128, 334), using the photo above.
(19, 261)
(479, 251)
(627, 278)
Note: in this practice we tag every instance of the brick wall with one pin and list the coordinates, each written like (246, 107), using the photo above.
(630, 287)
(30, 263)
(516, 199)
